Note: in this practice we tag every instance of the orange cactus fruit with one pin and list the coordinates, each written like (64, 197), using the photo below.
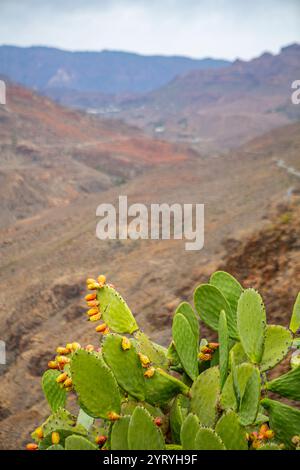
(92, 311)
(89, 347)
(93, 303)
(106, 331)
(100, 440)
(158, 421)
(61, 378)
(113, 416)
(149, 372)
(269, 434)
(90, 280)
(90, 297)
(213, 346)
(204, 357)
(101, 328)
(93, 286)
(126, 344)
(32, 446)
(55, 438)
(206, 350)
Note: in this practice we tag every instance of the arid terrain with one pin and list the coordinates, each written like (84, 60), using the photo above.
(57, 166)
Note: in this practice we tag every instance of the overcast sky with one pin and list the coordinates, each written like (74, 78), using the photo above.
(197, 28)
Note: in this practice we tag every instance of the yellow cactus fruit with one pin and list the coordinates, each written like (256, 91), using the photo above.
(101, 328)
(145, 361)
(55, 438)
(106, 331)
(269, 434)
(62, 360)
(126, 344)
(149, 372)
(92, 311)
(62, 377)
(39, 432)
(204, 357)
(89, 347)
(95, 317)
(90, 281)
(61, 350)
(69, 346)
(101, 279)
(53, 365)
(93, 286)
(76, 346)
(68, 382)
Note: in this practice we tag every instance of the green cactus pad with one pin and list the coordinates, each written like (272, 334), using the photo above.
(95, 384)
(235, 381)
(176, 419)
(295, 320)
(143, 434)
(239, 355)
(84, 419)
(115, 312)
(250, 399)
(125, 365)
(79, 443)
(223, 348)
(189, 429)
(209, 301)
(161, 387)
(231, 432)
(188, 312)
(277, 344)
(251, 323)
(284, 420)
(119, 434)
(229, 286)
(55, 447)
(56, 395)
(287, 385)
(186, 345)
(205, 394)
(156, 353)
(207, 439)
(228, 396)
(61, 419)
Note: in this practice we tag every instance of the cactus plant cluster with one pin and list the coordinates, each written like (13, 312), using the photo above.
(197, 394)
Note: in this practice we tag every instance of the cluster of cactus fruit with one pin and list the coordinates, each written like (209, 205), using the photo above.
(134, 394)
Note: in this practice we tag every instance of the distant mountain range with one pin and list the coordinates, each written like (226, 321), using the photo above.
(52, 70)
(221, 108)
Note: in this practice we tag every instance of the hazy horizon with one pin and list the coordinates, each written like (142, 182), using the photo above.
(194, 28)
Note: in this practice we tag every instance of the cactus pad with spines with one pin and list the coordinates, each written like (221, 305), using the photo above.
(115, 312)
(250, 399)
(278, 341)
(229, 286)
(143, 434)
(162, 387)
(295, 320)
(208, 439)
(55, 393)
(232, 433)
(187, 311)
(79, 443)
(284, 419)
(125, 365)
(189, 429)
(119, 434)
(209, 301)
(186, 345)
(156, 353)
(205, 394)
(287, 385)
(223, 348)
(251, 323)
(95, 384)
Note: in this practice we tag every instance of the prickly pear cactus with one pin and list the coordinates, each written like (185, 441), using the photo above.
(198, 394)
